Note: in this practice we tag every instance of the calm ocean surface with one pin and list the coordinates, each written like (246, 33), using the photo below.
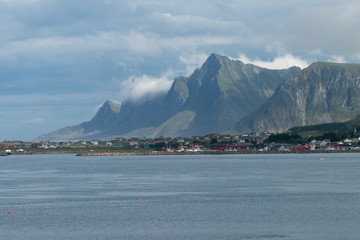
(315, 196)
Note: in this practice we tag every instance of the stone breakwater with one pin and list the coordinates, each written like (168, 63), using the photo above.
(156, 153)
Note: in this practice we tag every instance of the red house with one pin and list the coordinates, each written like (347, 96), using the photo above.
(218, 147)
(299, 147)
(244, 145)
(307, 147)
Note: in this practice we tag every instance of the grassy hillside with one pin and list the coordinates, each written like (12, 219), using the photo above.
(344, 128)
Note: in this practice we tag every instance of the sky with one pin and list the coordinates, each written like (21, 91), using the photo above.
(60, 60)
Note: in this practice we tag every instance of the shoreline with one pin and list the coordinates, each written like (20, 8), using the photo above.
(155, 153)
(158, 153)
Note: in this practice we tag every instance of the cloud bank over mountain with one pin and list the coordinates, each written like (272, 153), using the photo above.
(144, 86)
(280, 62)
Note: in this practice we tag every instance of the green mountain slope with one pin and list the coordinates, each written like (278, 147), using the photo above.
(347, 127)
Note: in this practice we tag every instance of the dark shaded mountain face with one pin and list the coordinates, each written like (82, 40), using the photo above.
(212, 99)
(321, 93)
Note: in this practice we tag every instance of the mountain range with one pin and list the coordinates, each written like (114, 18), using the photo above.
(227, 95)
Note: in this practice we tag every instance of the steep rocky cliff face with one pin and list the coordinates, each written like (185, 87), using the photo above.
(212, 99)
(321, 93)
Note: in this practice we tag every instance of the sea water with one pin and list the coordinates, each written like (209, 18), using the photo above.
(285, 196)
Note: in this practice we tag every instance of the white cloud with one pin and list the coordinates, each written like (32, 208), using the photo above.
(326, 25)
(137, 87)
(337, 59)
(33, 121)
(192, 61)
(189, 23)
(52, 50)
(281, 62)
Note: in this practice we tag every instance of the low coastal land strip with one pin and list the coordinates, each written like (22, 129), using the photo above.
(159, 153)
(129, 152)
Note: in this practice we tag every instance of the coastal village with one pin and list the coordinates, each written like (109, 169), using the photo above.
(211, 143)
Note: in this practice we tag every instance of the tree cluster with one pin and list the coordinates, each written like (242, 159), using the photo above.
(285, 138)
(290, 138)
